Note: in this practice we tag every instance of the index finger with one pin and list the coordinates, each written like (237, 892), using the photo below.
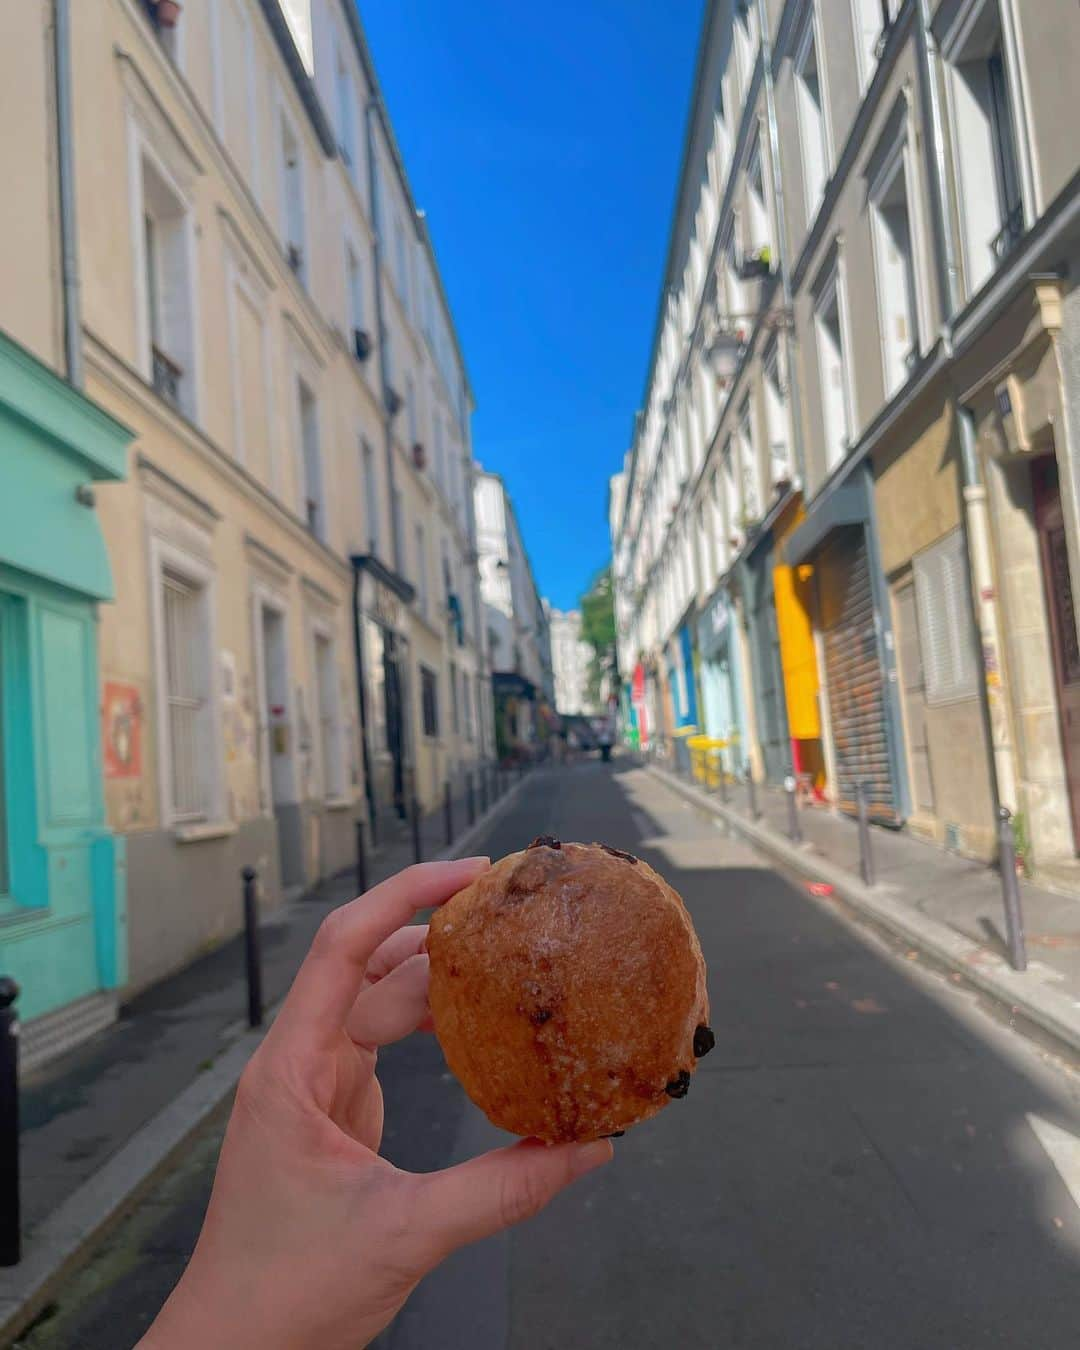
(332, 973)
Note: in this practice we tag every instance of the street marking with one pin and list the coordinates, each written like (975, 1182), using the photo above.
(1063, 1150)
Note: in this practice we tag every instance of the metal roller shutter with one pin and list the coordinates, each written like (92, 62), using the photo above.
(853, 670)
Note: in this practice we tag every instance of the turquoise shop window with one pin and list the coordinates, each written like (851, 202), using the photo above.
(23, 878)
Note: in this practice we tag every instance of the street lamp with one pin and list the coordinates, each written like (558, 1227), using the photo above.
(724, 354)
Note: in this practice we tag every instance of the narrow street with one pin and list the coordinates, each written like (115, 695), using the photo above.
(867, 1159)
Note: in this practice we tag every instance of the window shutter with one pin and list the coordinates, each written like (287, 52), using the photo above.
(946, 633)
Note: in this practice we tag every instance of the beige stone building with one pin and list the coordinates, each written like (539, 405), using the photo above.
(849, 513)
(295, 642)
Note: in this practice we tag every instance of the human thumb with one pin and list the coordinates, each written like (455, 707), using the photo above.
(499, 1189)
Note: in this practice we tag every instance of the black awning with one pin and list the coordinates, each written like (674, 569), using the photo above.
(846, 504)
(367, 562)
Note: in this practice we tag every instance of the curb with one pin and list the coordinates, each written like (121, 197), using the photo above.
(1017, 992)
(63, 1241)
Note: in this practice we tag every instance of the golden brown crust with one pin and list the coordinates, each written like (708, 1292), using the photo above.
(567, 985)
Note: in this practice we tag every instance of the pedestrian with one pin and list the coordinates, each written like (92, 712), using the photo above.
(310, 1238)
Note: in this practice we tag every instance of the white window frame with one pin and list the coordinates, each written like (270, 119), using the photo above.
(832, 289)
(866, 59)
(286, 123)
(758, 203)
(749, 469)
(777, 415)
(420, 544)
(168, 557)
(320, 496)
(952, 44)
(811, 36)
(142, 147)
(332, 772)
(898, 158)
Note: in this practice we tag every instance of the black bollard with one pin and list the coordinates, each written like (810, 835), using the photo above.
(418, 852)
(361, 859)
(251, 950)
(751, 793)
(10, 1242)
(470, 798)
(866, 853)
(1010, 891)
(794, 828)
(448, 813)
(483, 789)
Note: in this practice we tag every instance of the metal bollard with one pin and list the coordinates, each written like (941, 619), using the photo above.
(470, 798)
(361, 859)
(418, 852)
(252, 958)
(482, 776)
(751, 794)
(866, 853)
(10, 1241)
(1010, 891)
(448, 813)
(723, 782)
(794, 828)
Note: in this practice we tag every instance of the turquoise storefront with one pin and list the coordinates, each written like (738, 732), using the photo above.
(721, 686)
(62, 895)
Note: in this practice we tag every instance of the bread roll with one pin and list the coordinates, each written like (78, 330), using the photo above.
(568, 991)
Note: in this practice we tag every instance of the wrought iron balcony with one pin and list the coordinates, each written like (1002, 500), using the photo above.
(1007, 237)
(167, 376)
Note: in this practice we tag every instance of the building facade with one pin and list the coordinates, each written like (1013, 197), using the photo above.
(570, 659)
(855, 451)
(518, 630)
(295, 639)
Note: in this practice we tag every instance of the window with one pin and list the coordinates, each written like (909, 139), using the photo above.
(759, 223)
(466, 699)
(346, 115)
(985, 147)
(354, 278)
(421, 571)
(402, 268)
(871, 19)
(429, 701)
(745, 40)
(832, 368)
(371, 496)
(946, 629)
(454, 698)
(188, 713)
(813, 134)
(330, 740)
(234, 95)
(776, 417)
(891, 215)
(292, 197)
(314, 513)
(440, 448)
(748, 467)
(410, 410)
(167, 286)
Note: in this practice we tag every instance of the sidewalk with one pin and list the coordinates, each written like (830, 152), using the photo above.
(944, 905)
(98, 1123)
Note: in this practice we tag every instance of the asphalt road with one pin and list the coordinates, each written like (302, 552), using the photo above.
(867, 1160)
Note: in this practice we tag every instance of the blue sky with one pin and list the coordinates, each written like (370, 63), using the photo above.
(544, 143)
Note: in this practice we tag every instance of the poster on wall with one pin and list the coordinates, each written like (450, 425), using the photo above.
(121, 730)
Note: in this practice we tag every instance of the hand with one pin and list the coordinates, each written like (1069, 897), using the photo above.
(310, 1238)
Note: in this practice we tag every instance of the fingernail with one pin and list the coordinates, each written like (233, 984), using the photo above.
(477, 858)
(591, 1156)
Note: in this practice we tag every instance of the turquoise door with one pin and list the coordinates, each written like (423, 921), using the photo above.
(58, 911)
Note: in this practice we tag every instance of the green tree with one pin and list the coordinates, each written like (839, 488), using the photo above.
(598, 630)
